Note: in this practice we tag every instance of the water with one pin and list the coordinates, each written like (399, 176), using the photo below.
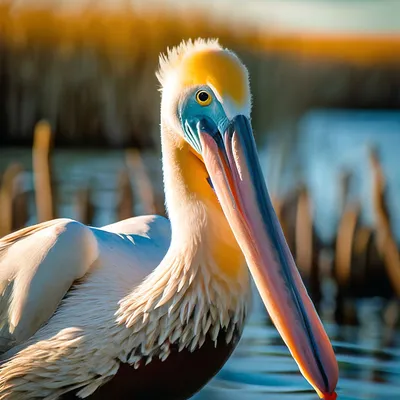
(261, 367)
(75, 170)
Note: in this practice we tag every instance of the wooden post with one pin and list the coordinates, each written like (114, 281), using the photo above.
(7, 197)
(345, 233)
(345, 308)
(304, 233)
(344, 243)
(84, 206)
(142, 180)
(125, 196)
(41, 170)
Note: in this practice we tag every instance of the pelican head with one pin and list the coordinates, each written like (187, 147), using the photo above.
(206, 103)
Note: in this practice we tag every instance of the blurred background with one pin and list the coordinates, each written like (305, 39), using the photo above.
(79, 138)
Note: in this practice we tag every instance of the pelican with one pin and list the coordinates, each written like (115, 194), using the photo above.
(151, 308)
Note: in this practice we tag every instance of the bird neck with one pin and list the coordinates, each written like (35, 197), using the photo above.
(198, 223)
(202, 286)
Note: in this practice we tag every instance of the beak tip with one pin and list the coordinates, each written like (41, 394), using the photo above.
(329, 396)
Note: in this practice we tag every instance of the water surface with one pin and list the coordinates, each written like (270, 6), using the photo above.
(261, 367)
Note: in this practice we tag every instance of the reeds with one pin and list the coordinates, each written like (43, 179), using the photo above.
(365, 259)
(14, 210)
(41, 172)
(362, 261)
(144, 187)
(9, 191)
(386, 241)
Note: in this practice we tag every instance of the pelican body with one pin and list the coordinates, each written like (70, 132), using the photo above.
(150, 308)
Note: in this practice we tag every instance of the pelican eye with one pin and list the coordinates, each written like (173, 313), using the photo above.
(203, 98)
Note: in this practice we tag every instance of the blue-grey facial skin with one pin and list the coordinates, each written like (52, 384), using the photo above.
(190, 112)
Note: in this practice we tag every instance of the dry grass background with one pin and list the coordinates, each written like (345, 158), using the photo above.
(90, 71)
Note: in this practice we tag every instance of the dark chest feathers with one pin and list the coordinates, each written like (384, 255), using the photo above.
(180, 376)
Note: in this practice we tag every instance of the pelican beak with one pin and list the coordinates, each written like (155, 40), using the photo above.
(232, 163)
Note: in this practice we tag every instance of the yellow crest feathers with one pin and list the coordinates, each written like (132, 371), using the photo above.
(206, 62)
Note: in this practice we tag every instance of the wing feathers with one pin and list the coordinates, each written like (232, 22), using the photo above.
(38, 265)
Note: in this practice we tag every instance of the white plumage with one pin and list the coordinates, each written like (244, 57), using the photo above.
(119, 307)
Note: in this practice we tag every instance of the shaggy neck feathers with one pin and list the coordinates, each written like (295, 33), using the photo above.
(202, 286)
